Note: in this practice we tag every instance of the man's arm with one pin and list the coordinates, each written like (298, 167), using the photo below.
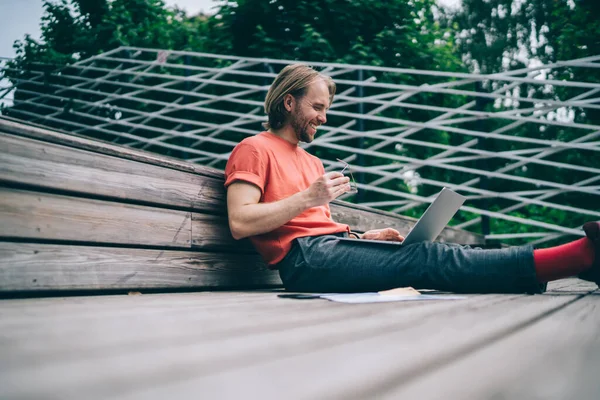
(249, 217)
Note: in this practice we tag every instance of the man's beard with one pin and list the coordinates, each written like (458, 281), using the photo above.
(299, 124)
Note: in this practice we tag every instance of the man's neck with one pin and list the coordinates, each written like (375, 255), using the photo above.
(286, 133)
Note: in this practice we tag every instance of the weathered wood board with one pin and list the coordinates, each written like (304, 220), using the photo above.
(56, 167)
(212, 231)
(198, 344)
(41, 267)
(34, 215)
(30, 130)
(556, 357)
(360, 358)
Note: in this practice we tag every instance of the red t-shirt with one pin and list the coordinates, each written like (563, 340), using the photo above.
(280, 169)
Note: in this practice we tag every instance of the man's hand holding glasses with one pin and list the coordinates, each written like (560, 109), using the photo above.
(353, 185)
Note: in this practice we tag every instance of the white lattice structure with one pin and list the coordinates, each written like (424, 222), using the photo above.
(507, 141)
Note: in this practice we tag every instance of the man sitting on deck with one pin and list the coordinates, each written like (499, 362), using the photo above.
(278, 195)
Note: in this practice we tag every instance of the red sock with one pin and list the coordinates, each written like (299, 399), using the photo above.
(563, 261)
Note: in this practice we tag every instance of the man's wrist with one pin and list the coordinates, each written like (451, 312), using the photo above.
(305, 200)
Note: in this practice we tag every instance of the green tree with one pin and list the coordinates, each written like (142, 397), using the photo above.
(504, 35)
(501, 35)
(373, 32)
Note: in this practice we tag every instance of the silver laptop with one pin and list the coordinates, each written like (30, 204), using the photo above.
(434, 219)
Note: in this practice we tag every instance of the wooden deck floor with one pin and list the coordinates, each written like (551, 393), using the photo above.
(255, 345)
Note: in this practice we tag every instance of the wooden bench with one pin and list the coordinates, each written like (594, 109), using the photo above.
(80, 214)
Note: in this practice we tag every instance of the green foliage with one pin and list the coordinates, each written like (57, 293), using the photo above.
(504, 35)
(371, 32)
(501, 35)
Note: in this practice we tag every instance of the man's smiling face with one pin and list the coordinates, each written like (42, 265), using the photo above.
(310, 111)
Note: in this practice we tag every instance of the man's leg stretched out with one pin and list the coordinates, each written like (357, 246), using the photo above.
(328, 264)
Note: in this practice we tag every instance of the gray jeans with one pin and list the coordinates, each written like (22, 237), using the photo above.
(335, 263)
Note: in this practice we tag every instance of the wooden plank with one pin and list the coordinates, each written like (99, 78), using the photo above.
(29, 318)
(41, 216)
(33, 215)
(33, 162)
(50, 307)
(29, 266)
(99, 335)
(340, 356)
(17, 127)
(62, 341)
(212, 231)
(570, 286)
(228, 316)
(338, 363)
(554, 358)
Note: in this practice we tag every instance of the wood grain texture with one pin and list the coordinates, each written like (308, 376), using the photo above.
(357, 360)
(39, 132)
(96, 342)
(42, 216)
(212, 231)
(272, 348)
(555, 358)
(33, 215)
(33, 162)
(569, 286)
(29, 266)
(66, 313)
(170, 320)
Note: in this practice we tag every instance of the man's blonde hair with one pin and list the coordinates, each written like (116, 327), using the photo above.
(293, 79)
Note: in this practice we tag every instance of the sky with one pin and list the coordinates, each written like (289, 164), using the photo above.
(20, 17)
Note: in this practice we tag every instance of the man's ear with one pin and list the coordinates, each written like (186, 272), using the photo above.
(288, 102)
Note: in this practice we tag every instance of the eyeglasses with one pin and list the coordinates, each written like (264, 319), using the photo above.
(353, 185)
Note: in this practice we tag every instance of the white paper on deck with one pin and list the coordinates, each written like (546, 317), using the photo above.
(355, 298)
